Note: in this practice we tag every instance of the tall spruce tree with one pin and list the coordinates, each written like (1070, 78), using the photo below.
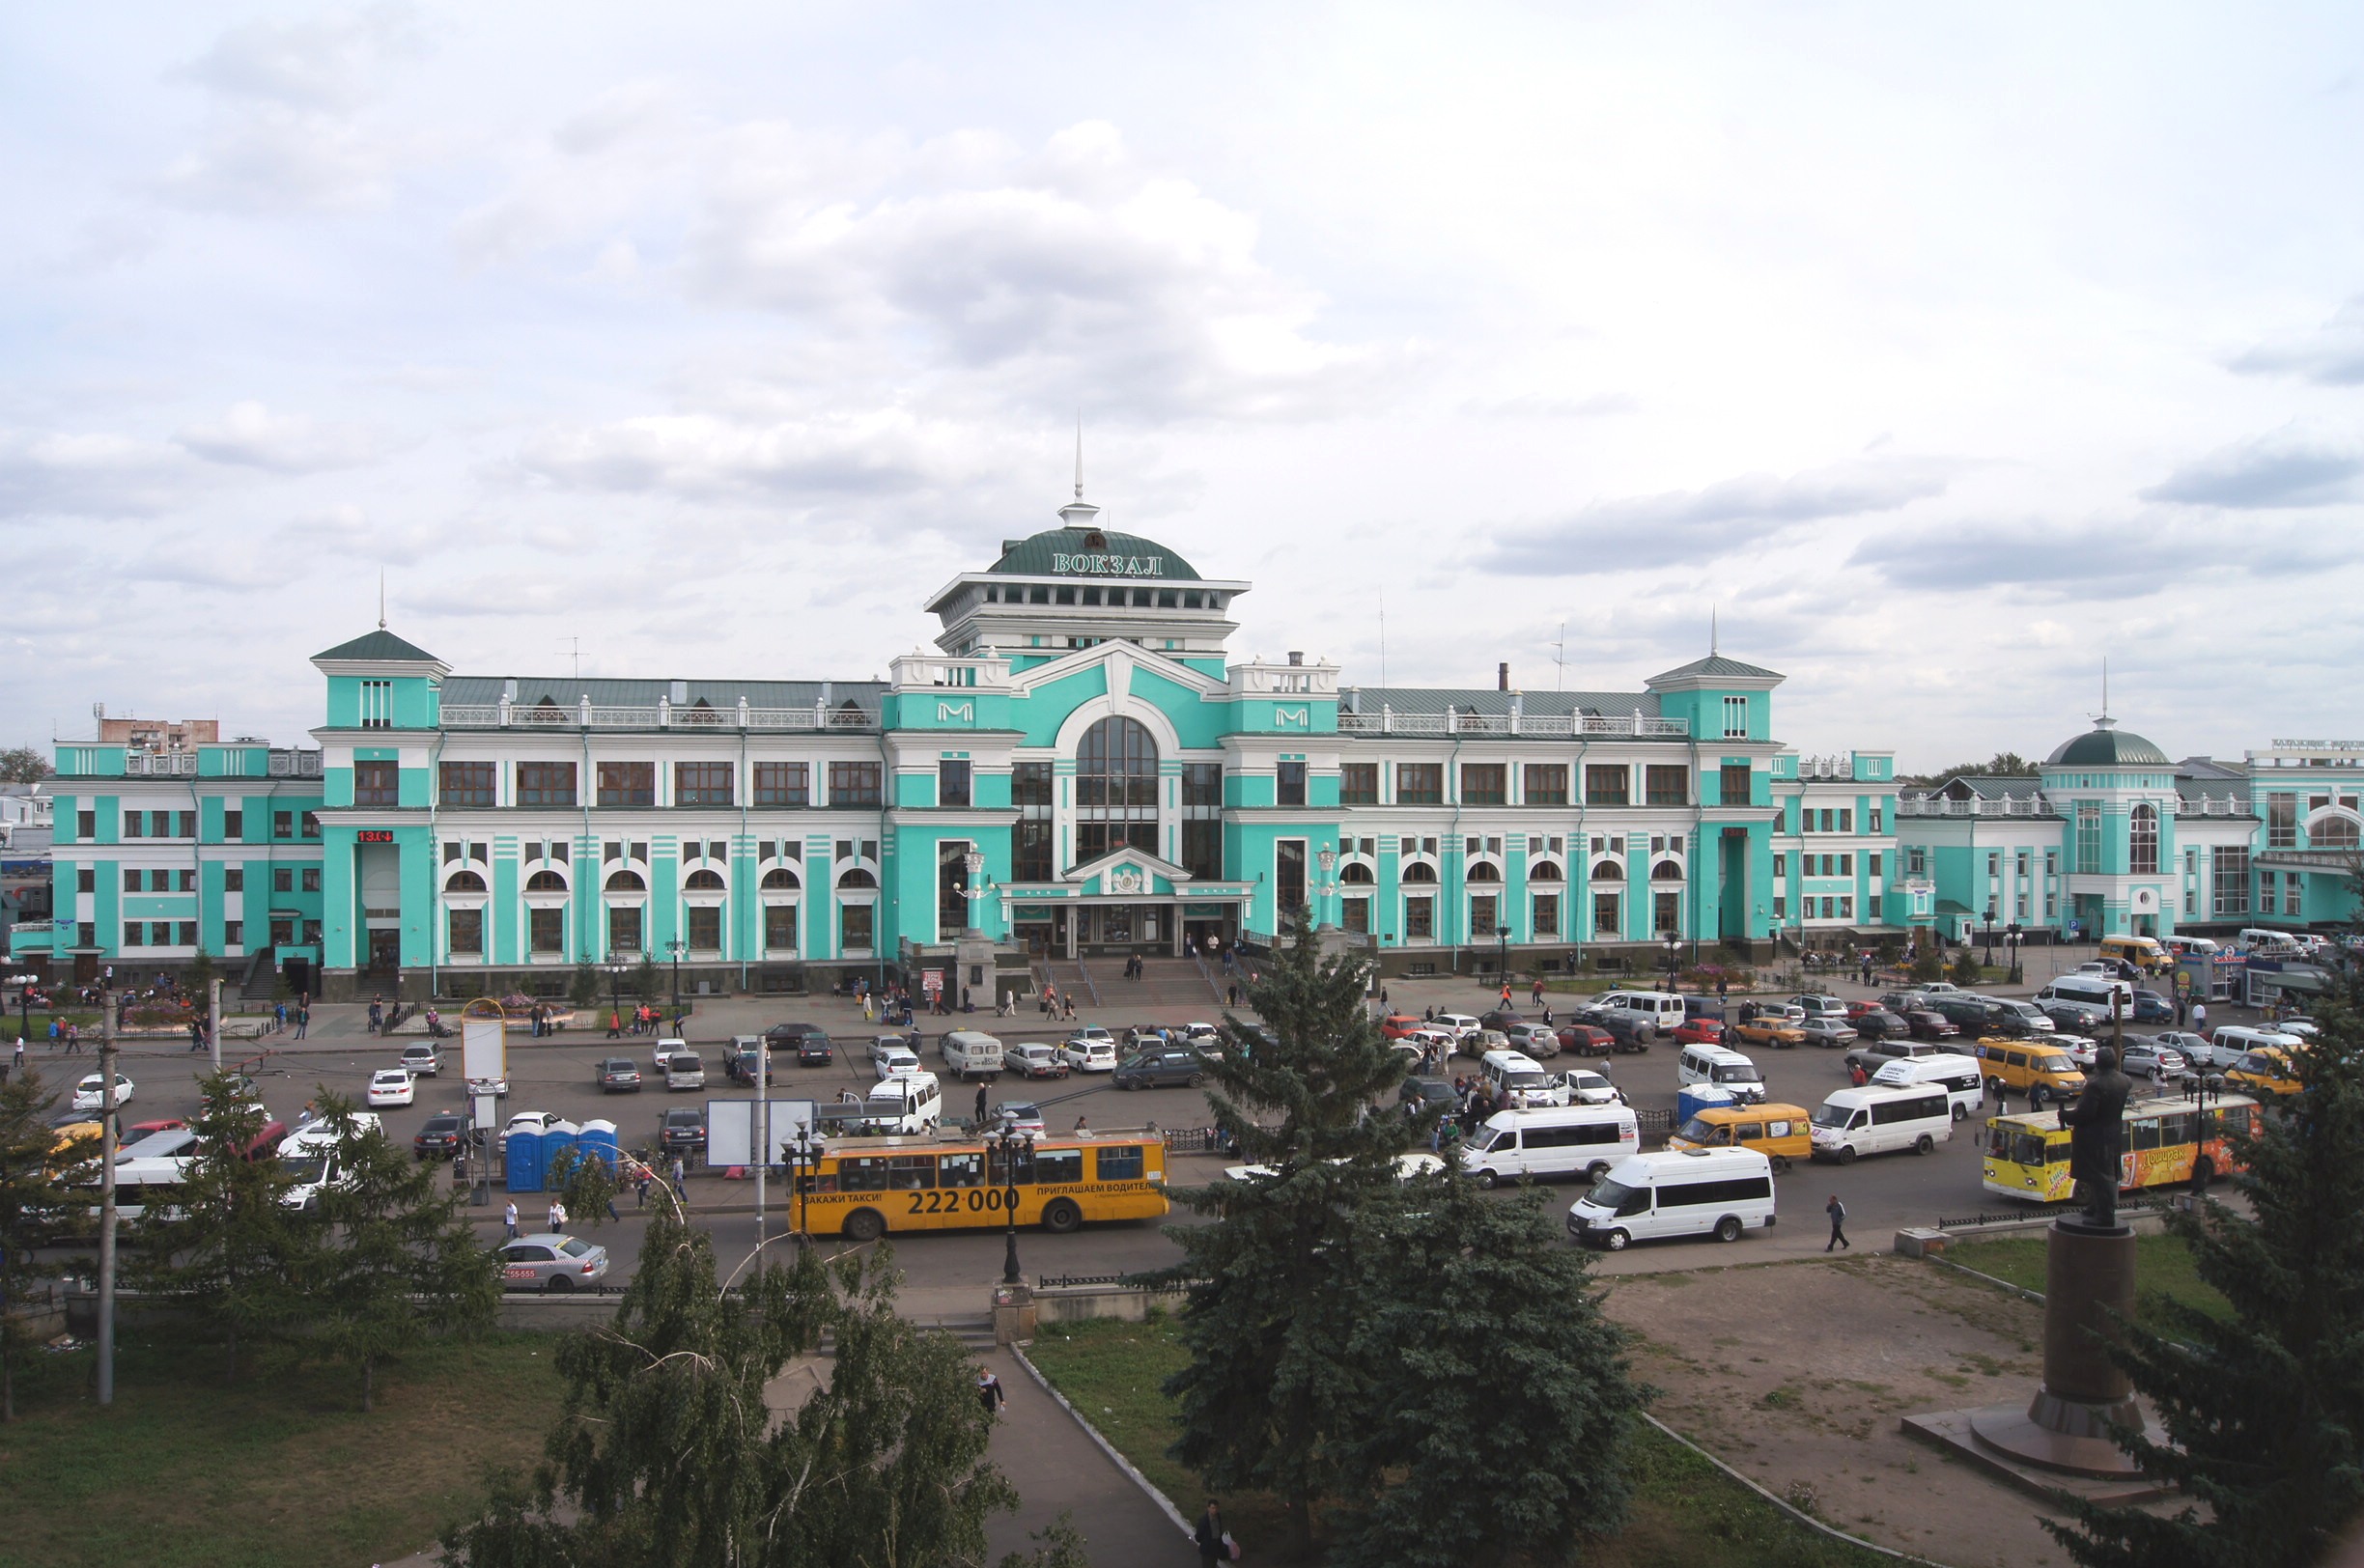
(34, 1206)
(1474, 1449)
(230, 1251)
(2263, 1410)
(1271, 1313)
(396, 1259)
(667, 1456)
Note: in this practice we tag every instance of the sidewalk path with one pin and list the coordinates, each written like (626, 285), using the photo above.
(1058, 1468)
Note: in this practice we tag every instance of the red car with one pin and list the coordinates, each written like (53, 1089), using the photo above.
(1700, 1032)
(1862, 1005)
(167, 1124)
(1396, 1025)
(1584, 1040)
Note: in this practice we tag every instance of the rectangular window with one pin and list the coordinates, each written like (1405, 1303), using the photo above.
(704, 783)
(1733, 784)
(546, 930)
(1355, 914)
(185, 881)
(1607, 784)
(1485, 910)
(2229, 869)
(624, 929)
(1994, 863)
(1666, 913)
(1289, 784)
(2019, 906)
(1202, 849)
(1874, 867)
(233, 933)
(2281, 822)
(184, 824)
(545, 784)
(1201, 783)
(626, 784)
(1735, 719)
(853, 925)
(131, 879)
(86, 828)
(1607, 926)
(1875, 818)
(1546, 783)
(159, 826)
(377, 705)
(704, 925)
(86, 880)
(377, 784)
(2089, 836)
(467, 784)
(1289, 873)
(308, 823)
(784, 784)
(159, 933)
(1420, 783)
(1485, 784)
(779, 929)
(952, 782)
(1846, 909)
(283, 933)
(135, 824)
(1359, 784)
(283, 880)
(1666, 786)
(1781, 865)
(1419, 918)
(1781, 909)
(854, 784)
(135, 934)
(309, 879)
(1846, 865)
(467, 927)
(2292, 886)
(1546, 915)
(1847, 820)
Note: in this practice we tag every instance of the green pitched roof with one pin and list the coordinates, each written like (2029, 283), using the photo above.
(1031, 556)
(2104, 748)
(384, 646)
(1717, 665)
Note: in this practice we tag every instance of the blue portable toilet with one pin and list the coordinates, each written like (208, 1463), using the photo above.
(555, 1136)
(525, 1161)
(1695, 1098)
(598, 1138)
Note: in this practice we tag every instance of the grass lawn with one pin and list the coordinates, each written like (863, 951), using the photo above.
(2162, 1272)
(281, 1467)
(1686, 1513)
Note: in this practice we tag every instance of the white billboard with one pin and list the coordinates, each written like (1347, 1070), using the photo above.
(484, 1047)
(730, 1131)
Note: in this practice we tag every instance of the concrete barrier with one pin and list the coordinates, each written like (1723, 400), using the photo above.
(1074, 1303)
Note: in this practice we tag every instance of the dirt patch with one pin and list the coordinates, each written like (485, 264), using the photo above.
(1797, 1374)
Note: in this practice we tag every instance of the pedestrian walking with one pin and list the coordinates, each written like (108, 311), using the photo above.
(73, 1038)
(681, 1180)
(2200, 1018)
(1213, 1542)
(377, 1012)
(303, 1020)
(990, 1392)
(557, 1217)
(1838, 1218)
(508, 1215)
(2183, 1007)
(1080, 1127)
(980, 1114)
(641, 1177)
(20, 1053)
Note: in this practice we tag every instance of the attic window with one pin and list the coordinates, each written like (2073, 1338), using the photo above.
(1095, 539)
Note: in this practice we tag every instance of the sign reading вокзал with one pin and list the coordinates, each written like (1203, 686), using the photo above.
(1108, 566)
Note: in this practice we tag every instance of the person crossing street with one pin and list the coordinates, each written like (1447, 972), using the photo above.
(1838, 1218)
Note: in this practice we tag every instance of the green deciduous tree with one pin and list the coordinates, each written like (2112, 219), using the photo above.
(667, 1455)
(585, 1184)
(397, 1259)
(1964, 971)
(2262, 1409)
(1473, 1447)
(23, 764)
(32, 1196)
(229, 1249)
(1271, 1312)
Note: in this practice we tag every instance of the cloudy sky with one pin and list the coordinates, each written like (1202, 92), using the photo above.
(1941, 350)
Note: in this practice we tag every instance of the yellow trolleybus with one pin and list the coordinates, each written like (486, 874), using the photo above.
(2167, 1141)
(865, 1190)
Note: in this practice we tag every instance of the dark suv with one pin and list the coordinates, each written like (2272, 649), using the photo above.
(1168, 1067)
(682, 1130)
(1976, 1014)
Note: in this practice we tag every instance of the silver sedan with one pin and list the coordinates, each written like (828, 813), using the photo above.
(548, 1261)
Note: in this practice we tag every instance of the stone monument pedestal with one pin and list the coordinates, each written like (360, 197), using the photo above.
(1014, 1314)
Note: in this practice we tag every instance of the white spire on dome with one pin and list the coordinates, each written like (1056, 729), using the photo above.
(1078, 512)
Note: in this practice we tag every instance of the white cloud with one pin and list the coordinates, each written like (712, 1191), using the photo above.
(89, 475)
(2289, 468)
(2332, 354)
(251, 435)
(330, 61)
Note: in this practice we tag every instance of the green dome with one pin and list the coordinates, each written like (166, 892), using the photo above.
(2102, 747)
(1084, 550)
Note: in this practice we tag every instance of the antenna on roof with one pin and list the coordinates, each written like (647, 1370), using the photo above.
(1711, 631)
(1383, 635)
(1560, 658)
(575, 652)
(2102, 719)
(1079, 495)
(381, 599)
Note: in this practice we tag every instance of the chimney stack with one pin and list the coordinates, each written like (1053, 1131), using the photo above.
(1297, 656)
(1502, 677)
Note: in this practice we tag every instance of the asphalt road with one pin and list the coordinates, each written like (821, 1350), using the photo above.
(557, 1074)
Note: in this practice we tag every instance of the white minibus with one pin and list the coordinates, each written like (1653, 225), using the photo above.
(1725, 1067)
(1957, 1075)
(1877, 1121)
(1559, 1140)
(1717, 1193)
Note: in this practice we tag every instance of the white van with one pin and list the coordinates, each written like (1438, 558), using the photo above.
(906, 1102)
(2196, 947)
(1572, 1140)
(973, 1054)
(1524, 1078)
(146, 1185)
(2269, 942)
(1877, 1121)
(2234, 1041)
(2090, 990)
(1724, 1068)
(1460, 1025)
(1720, 1192)
(1957, 1075)
(1658, 1010)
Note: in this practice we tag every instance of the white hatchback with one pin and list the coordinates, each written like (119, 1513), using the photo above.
(892, 1060)
(1085, 1054)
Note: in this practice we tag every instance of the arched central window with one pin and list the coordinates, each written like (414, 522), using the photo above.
(2142, 841)
(2333, 832)
(1116, 790)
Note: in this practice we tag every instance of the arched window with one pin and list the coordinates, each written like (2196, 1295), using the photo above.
(2335, 833)
(546, 881)
(467, 881)
(702, 881)
(1115, 789)
(779, 880)
(1485, 871)
(1355, 874)
(2142, 841)
(856, 877)
(1545, 870)
(1666, 871)
(1608, 871)
(1419, 871)
(625, 881)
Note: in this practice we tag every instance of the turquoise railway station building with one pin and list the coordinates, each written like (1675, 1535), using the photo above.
(1083, 771)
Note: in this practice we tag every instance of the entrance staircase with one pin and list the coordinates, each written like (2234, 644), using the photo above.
(1167, 985)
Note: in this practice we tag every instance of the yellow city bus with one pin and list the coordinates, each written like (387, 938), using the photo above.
(863, 1190)
(2167, 1141)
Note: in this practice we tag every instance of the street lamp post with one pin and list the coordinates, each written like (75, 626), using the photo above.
(1012, 1146)
(1991, 935)
(615, 990)
(2012, 935)
(677, 947)
(1673, 956)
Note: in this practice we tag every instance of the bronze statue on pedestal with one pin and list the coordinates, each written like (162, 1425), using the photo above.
(2097, 1120)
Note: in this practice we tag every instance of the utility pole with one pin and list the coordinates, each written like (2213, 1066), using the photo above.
(763, 1128)
(107, 1196)
(214, 1019)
